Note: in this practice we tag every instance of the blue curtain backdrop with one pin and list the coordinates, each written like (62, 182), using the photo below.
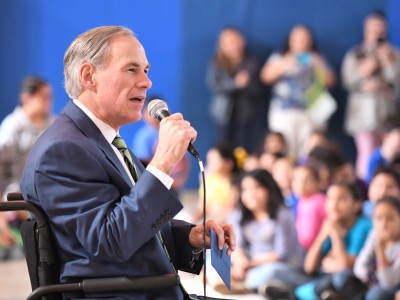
(179, 37)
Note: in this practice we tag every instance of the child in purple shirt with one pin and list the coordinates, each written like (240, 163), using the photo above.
(265, 231)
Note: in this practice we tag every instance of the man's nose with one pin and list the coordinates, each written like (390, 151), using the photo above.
(144, 81)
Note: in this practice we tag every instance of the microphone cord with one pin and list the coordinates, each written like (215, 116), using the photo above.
(204, 224)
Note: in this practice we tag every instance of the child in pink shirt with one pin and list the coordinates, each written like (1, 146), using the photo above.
(311, 206)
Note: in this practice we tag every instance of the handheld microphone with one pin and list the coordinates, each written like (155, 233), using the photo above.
(158, 109)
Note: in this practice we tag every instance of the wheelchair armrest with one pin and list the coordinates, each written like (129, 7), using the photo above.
(14, 196)
(125, 283)
(116, 284)
(15, 205)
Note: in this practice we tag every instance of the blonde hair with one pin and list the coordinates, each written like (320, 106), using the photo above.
(89, 47)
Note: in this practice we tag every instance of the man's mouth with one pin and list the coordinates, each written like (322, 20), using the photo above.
(137, 99)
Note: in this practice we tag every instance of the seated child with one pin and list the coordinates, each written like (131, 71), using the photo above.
(282, 172)
(265, 230)
(311, 204)
(220, 170)
(378, 264)
(385, 182)
(274, 142)
(340, 240)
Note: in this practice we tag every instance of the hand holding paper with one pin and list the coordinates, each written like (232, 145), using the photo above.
(220, 260)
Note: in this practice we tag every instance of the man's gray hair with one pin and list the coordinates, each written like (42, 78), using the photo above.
(89, 47)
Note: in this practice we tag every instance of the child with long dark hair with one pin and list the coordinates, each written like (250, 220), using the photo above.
(379, 262)
(265, 229)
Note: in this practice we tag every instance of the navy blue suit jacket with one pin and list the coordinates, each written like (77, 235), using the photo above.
(102, 224)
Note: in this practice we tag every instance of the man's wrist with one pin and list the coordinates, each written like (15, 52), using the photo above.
(162, 165)
(166, 180)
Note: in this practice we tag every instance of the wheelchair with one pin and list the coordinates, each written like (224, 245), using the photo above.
(43, 266)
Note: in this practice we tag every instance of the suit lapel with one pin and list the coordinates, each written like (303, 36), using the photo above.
(93, 133)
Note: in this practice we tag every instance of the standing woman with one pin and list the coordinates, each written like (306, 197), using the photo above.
(292, 72)
(236, 90)
(371, 75)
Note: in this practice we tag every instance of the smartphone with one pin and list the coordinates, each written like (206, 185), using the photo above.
(304, 58)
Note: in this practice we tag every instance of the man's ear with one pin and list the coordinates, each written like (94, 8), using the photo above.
(86, 76)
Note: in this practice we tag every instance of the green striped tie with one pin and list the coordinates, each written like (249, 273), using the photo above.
(123, 149)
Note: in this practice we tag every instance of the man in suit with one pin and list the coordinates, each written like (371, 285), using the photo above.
(104, 219)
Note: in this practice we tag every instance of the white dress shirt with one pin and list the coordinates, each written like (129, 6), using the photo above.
(109, 134)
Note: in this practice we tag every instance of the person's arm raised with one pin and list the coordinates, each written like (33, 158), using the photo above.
(173, 139)
(313, 257)
(276, 67)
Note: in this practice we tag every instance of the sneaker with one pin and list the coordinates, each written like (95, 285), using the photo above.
(276, 291)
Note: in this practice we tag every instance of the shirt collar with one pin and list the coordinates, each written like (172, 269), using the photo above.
(108, 132)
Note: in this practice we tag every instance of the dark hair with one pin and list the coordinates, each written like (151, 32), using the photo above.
(390, 123)
(326, 156)
(286, 46)
(389, 171)
(393, 201)
(278, 135)
(352, 188)
(31, 85)
(277, 155)
(275, 197)
(395, 163)
(354, 191)
(227, 152)
(220, 58)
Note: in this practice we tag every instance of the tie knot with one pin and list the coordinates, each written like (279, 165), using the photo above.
(119, 143)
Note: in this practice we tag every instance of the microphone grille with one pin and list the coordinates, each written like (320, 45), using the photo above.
(156, 106)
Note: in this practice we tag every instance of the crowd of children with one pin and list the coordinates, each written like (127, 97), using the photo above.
(308, 229)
